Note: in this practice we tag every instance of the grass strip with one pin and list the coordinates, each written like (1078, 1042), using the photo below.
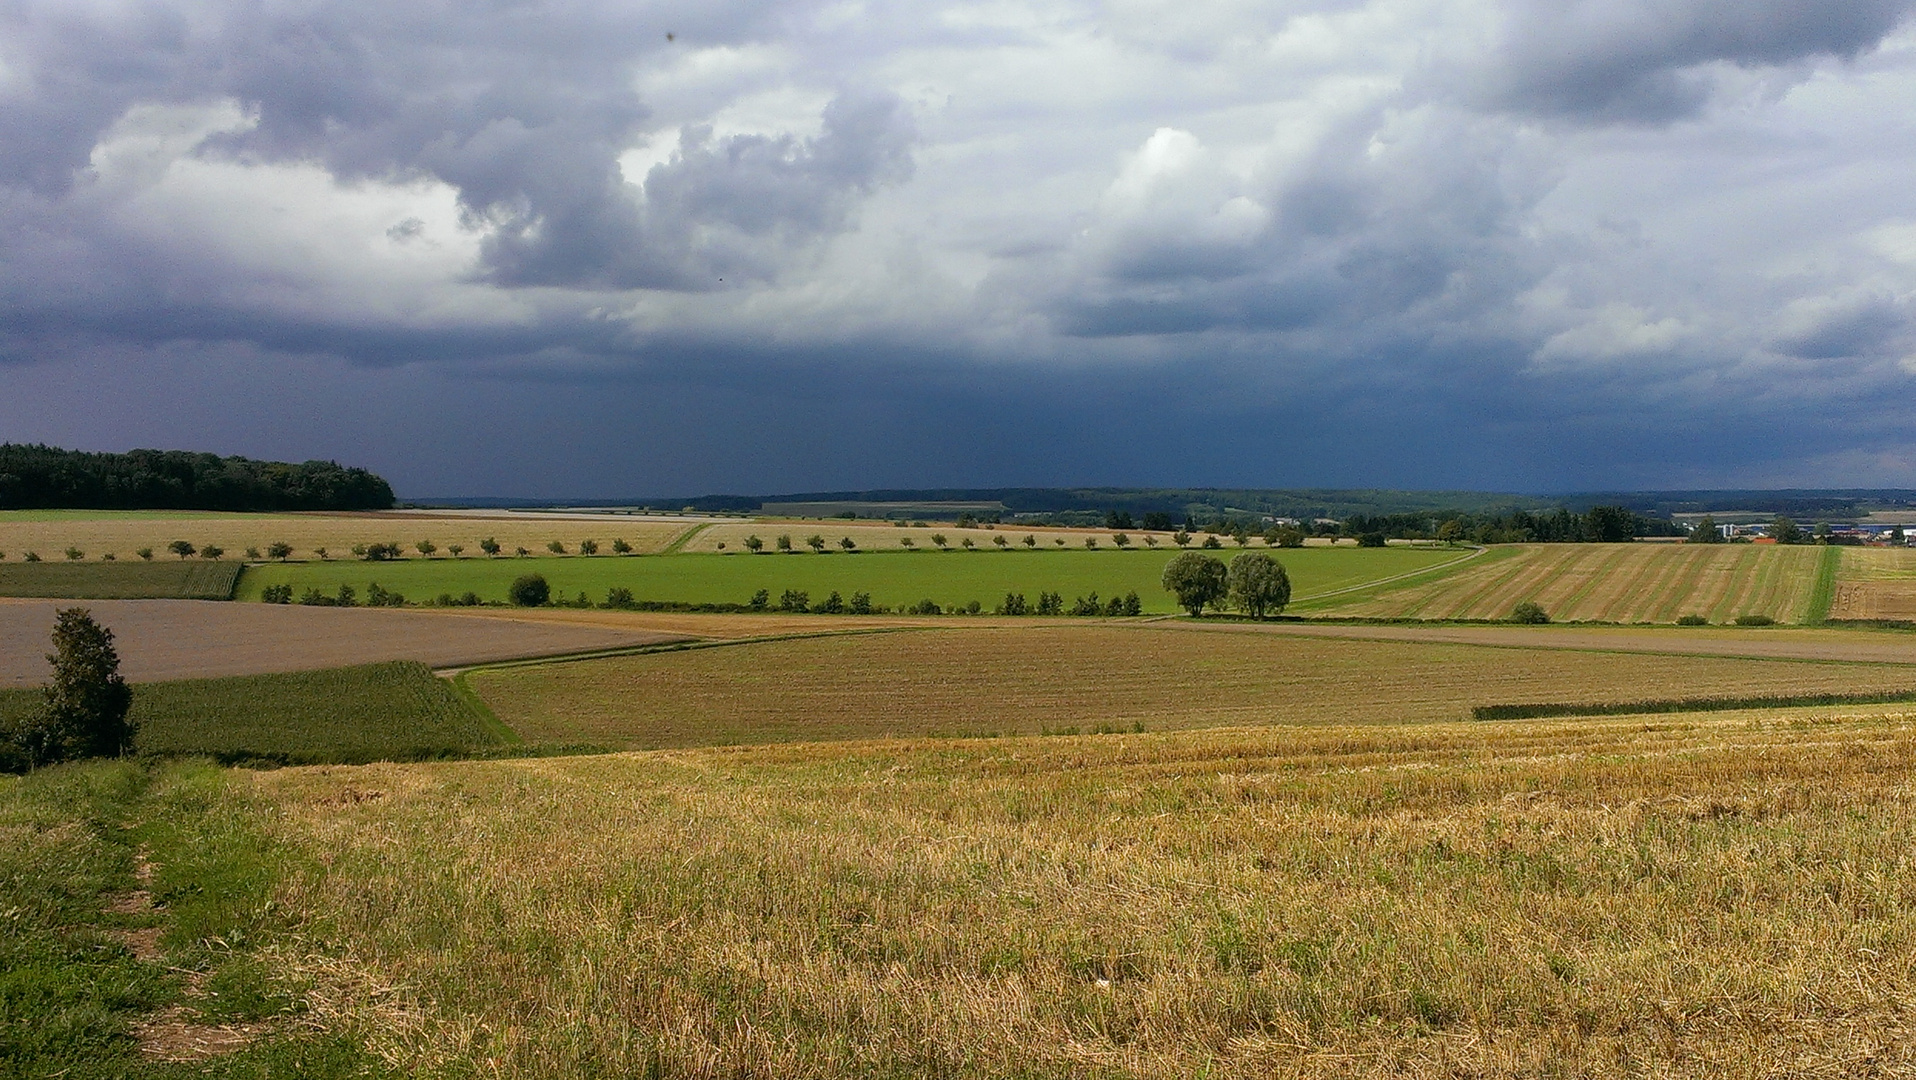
(1823, 593)
(175, 580)
(1545, 710)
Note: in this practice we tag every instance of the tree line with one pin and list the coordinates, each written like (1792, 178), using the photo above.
(36, 477)
(1597, 525)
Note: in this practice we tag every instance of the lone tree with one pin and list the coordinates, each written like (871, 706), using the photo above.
(530, 590)
(280, 550)
(84, 713)
(1197, 579)
(1258, 584)
(181, 548)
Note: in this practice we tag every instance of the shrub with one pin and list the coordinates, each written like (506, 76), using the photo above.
(1091, 543)
(761, 600)
(74, 554)
(1694, 620)
(1115, 606)
(1058, 540)
(1050, 603)
(455, 550)
(620, 547)
(816, 543)
(314, 598)
(831, 605)
(1181, 538)
(1087, 605)
(358, 550)
(529, 590)
(181, 548)
(618, 598)
(321, 552)
(925, 607)
(32, 556)
(146, 553)
(426, 548)
(84, 710)
(861, 603)
(212, 552)
(754, 545)
(1121, 539)
(1372, 540)
(1212, 543)
(381, 552)
(1014, 604)
(1030, 541)
(1529, 613)
(277, 594)
(848, 544)
(1132, 605)
(108, 557)
(280, 550)
(785, 542)
(939, 539)
(252, 554)
(469, 599)
(967, 544)
(906, 543)
(1003, 544)
(489, 546)
(588, 547)
(974, 608)
(794, 600)
(1755, 620)
(378, 597)
(1150, 541)
(521, 552)
(346, 597)
(557, 547)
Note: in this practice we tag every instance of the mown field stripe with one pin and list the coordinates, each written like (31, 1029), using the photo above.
(1684, 584)
(1735, 584)
(684, 538)
(1823, 593)
(1652, 569)
(1519, 564)
(1404, 577)
(1373, 591)
(1551, 564)
(1566, 608)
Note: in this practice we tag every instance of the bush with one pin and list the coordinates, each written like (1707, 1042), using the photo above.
(1755, 620)
(785, 542)
(1091, 543)
(1372, 540)
(277, 594)
(212, 552)
(754, 545)
(455, 550)
(1014, 604)
(939, 539)
(1050, 603)
(620, 547)
(588, 547)
(489, 546)
(1087, 605)
(794, 600)
(146, 554)
(831, 605)
(1030, 541)
(1693, 620)
(1212, 543)
(618, 598)
(278, 549)
(848, 544)
(529, 590)
(181, 548)
(925, 607)
(1529, 613)
(761, 600)
(32, 556)
(74, 554)
(426, 548)
(381, 552)
(861, 603)
(557, 547)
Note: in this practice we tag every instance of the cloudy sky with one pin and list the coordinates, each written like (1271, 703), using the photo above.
(616, 248)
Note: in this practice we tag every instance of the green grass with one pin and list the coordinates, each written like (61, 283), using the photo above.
(893, 579)
(71, 989)
(175, 579)
(1823, 593)
(374, 712)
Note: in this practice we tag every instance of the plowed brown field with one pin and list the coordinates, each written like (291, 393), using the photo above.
(1610, 583)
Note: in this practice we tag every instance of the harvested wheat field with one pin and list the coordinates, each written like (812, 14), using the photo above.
(197, 639)
(1720, 897)
(1608, 582)
(95, 533)
(1876, 583)
(1026, 679)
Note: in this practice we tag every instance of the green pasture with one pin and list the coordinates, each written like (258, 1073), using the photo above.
(893, 578)
(169, 580)
(373, 712)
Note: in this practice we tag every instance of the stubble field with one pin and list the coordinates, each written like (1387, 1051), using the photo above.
(1717, 897)
(1614, 583)
(1027, 679)
(122, 533)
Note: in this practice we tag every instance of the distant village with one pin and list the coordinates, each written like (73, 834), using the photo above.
(1753, 528)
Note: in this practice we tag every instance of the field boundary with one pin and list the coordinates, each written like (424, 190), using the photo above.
(1460, 560)
(678, 543)
(1548, 710)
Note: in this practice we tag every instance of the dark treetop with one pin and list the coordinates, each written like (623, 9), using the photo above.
(46, 477)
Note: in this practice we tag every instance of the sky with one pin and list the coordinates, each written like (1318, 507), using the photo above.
(611, 249)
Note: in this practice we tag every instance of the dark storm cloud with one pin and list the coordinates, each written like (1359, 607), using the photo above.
(1637, 60)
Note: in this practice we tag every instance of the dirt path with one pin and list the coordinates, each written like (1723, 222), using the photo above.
(187, 639)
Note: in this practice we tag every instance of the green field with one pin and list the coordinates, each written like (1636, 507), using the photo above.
(894, 579)
(374, 712)
(170, 580)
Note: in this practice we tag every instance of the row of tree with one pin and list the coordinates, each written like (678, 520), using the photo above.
(1598, 525)
(46, 477)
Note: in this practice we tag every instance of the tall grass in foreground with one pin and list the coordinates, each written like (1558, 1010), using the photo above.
(1722, 896)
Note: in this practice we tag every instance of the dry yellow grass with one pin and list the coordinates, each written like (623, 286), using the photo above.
(1728, 896)
(1612, 583)
(123, 534)
(1023, 679)
(880, 536)
(1875, 583)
